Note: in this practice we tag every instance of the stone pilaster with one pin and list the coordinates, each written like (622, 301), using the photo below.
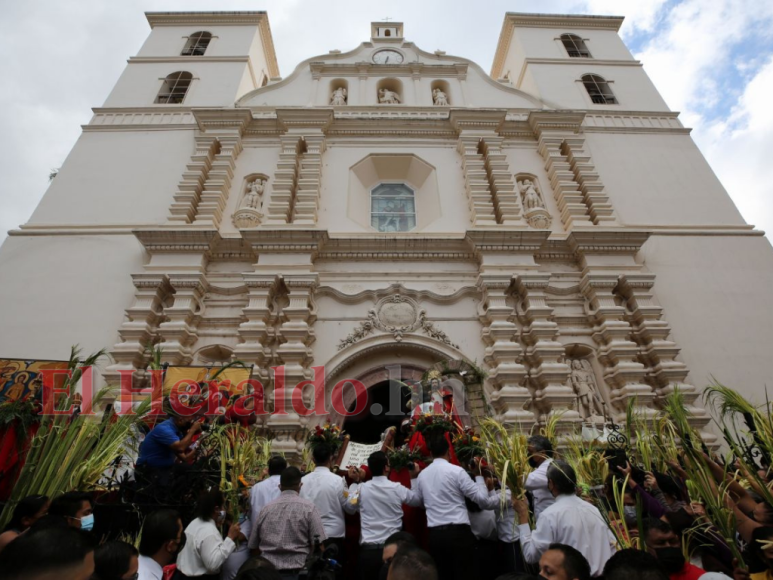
(585, 174)
(188, 195)
(552, 130)
(254, 331)
(624, 374)
(179, 330)
(296, 334)
(503, 185)
(309, 180)
(215, 193)
(480, 200)
(285, 181)
(503, 354)
(543, 352)
(139, 328)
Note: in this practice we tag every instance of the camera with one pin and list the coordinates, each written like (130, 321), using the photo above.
(321, 565)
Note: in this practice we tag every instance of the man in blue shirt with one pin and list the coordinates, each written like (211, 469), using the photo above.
(167, 441)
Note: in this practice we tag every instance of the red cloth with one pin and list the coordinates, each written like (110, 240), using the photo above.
(11, 457)
(689, 572)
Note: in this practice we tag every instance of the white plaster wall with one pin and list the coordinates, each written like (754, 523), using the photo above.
(716, 295)
(121, 177)
(546, 43)
(214, 84)
(227, 40)
(660, 180)
(58, 291)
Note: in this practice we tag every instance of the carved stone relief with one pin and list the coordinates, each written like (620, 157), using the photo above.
(533, 204)
(248, 215)
(396, 315)
(339, 97)
(583, 381)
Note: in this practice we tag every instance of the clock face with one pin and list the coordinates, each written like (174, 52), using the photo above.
(388, 57)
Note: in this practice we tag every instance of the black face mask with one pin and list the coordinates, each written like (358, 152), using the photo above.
(672, 559)
(533, 462)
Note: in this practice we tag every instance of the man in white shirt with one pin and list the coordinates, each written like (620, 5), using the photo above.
(161, 540)
(570, 520)
(329, 494)
(380, 503)
(540, 457)
(507, 532)
(266, 491)
(442, 488)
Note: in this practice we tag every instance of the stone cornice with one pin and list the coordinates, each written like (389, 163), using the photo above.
(556, 120)
(607, 241)
(501, 239)
(219, 119)
(203, 18)
(176, 59)
(477, 119)
(365, 69)
(177, 240)
(583, 62)
(307, 118)
(561, 21)
(418, 295)
(404, 247)
(285, 240)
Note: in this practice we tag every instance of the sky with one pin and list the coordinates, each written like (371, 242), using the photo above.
(711, 60)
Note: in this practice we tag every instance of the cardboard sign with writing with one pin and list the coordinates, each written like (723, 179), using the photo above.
(357, 453)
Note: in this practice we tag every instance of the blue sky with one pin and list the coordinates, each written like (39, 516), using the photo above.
(712, 61)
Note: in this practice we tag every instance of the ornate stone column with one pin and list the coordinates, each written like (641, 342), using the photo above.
(285, 181)
(309, 180)
(552, 130)
(139, 328)
(254, 331)
(503, 185)
(179, 331)
(586, 176)
(543, 352)
(186, 199)
(476, 183)
(503, 353)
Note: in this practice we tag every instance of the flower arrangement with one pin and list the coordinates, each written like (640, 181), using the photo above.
(328, 434)
(468, 445)
(402, 456)
(429, 423)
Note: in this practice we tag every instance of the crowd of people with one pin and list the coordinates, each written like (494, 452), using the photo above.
(291, 525)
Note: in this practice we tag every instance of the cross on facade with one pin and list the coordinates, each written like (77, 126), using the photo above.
(387, 19)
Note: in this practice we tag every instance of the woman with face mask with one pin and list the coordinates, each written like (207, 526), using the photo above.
(205, 550)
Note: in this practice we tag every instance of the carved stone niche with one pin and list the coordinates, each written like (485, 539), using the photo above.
(248, 214)
(584, 381)
(533, 203)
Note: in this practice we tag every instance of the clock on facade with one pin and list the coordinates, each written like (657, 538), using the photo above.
(387, 57)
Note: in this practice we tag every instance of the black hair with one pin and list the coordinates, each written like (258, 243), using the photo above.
(159, 527)
(321, 453)
(27, 507)
(48, 522)
(255, 563)
(438, 446)
(68, 504)
(575, 564)
(632, 564)
(519, 576)
(377, 463)
(411, 563)
(649, 524)
(563, 477)
(259, 574)
(112, 560)
(401, 539)
(290, 478)
(207, 503)
(541, 444)
(276, 465)
(668, 484)
(759, 535)
(50, 551)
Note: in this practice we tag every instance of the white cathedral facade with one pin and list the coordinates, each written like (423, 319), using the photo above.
(552, 223)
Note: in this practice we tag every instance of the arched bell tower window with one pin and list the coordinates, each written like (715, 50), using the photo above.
(392, 208)
(575, 46)
(197, 44)
(175, 88)
(599, 90)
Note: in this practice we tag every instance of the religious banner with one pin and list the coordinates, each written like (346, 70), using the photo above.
(22, 378)
(184, 379)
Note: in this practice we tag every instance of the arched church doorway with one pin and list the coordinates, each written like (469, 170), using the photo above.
(387, 406)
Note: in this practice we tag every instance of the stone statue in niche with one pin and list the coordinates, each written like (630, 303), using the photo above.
(254, 196)
(584, 385)
(338, 98)
(439, 98)
(387, 97)
(533, 205)
(248, 215)
(530, 194)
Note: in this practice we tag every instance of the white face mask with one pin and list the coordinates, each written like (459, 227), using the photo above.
(221, 515)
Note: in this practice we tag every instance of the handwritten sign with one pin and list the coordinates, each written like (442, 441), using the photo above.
(357, 453)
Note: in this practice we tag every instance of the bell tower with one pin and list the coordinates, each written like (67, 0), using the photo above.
(386, 31)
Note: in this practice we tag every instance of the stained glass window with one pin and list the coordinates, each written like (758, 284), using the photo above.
(392, 208)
